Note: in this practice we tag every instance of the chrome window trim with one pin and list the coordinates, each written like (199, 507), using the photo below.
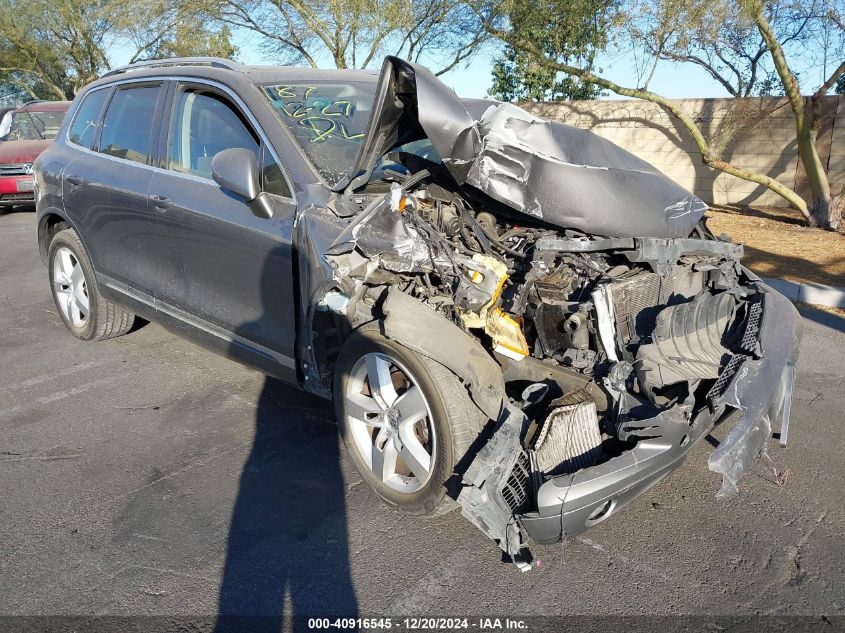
(190, 79)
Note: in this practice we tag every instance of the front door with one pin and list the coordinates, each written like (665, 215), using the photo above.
(219, 267)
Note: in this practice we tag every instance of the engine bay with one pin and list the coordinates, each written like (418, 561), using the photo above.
(593, 334)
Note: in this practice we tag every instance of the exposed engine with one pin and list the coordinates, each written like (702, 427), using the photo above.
(593, 334)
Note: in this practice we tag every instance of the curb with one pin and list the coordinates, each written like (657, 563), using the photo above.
(814, 294)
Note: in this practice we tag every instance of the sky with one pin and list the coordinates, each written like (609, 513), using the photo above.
(473, 80)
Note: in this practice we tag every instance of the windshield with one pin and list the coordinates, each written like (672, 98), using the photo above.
(328, 120)
(34, 126)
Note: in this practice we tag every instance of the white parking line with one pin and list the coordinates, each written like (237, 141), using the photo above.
(61, 395)
(67, 371)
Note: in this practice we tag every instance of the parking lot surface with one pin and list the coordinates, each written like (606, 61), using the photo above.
(144, 475)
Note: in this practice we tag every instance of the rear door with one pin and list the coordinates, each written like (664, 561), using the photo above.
(219, 267)
(106, 186)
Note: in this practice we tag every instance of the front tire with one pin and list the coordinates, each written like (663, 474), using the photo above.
(85, 312)
(406, 420)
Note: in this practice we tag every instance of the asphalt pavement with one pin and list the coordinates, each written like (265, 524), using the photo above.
(145, 475)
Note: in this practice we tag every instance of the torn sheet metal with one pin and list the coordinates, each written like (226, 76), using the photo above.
(760, 390)
(491, 494)
(563, 175)
(381, 233)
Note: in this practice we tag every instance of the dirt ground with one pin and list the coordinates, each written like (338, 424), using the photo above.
(778, 245)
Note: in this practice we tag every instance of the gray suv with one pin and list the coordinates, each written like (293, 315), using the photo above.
(511, 315)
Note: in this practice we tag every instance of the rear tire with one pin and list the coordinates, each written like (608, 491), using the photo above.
(392, 430)
(85, 312)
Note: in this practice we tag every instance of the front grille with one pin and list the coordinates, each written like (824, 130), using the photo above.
(516, 490)
(719, 391)
(24, 196)
(17, 169)
(752, 328)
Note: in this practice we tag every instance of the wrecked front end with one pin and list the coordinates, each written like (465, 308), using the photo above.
(601, 358)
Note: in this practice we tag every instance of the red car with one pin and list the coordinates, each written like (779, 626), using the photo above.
(24, 133)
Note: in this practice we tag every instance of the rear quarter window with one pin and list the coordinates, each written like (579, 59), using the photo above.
(83, 130)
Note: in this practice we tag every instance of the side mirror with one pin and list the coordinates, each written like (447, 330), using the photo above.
(236, 169)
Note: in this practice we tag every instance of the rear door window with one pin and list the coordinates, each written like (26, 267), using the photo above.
(83, 132)
(129, 123)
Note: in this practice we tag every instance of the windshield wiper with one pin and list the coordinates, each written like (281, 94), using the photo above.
(35, 125)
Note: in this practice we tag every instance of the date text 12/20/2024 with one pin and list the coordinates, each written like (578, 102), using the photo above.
(419, 624)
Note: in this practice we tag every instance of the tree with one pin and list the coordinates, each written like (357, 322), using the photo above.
(718, 37)
(354, 34)
(190, 39)
(575, 34)
(700, 17)
(517, 77)
(52, 48)
(821, 211)
(157, 29)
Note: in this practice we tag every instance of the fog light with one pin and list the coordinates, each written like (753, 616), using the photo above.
(601, 513)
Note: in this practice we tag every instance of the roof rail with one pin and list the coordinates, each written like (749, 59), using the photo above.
(31, 101)
(214, 62)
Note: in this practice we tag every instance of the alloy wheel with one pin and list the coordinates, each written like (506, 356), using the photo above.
(390, 422)
(70, 287)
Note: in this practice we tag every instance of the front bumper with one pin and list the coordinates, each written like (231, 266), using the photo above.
(759, 391)
(17, 190)
(570, 504)
(499, 494)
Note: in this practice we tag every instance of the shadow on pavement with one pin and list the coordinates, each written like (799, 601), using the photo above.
(828, 319)
(287, 554)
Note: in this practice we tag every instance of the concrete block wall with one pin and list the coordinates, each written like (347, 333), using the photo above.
(764, 141)
(836, 164)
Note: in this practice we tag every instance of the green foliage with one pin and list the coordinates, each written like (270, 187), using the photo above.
(840, 86)
(51, 48)
(568, 31)
(357, 33)
(517, 77)
(190, 38)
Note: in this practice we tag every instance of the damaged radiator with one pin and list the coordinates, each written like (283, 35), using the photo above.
(569, 439)
(638, 297)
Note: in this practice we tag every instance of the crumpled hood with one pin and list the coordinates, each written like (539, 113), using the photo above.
(557, 173)
(21, 151)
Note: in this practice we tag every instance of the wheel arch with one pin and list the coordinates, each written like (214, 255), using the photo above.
(50, 222)
(419, 328)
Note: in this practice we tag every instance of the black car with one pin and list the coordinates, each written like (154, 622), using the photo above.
(510, 314)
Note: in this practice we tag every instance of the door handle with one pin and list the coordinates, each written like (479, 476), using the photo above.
(75, 180)
(160, 202)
